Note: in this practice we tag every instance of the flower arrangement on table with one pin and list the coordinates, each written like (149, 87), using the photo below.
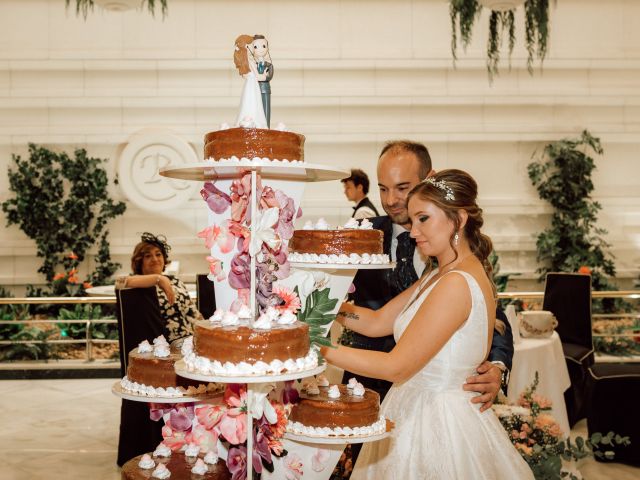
(541, 442)
(221, 430)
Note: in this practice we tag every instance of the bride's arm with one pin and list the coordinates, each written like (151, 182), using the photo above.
(374, 323)
(440, 315)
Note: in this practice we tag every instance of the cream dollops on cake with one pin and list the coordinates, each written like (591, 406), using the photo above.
(254, 143)
(336, 410)
(151, 372)
(232, 344)
(354, 243)
(175, 467)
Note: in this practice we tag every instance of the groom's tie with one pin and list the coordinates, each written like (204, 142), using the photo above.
(404, 272)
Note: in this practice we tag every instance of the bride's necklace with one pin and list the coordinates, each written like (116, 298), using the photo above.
(441, 273)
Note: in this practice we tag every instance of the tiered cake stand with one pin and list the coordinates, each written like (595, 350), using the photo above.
(275, 171)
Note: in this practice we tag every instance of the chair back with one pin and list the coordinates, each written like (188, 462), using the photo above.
(568, 297)
(206, 301)
(139, 319)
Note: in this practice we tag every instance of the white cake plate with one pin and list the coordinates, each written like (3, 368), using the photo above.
(181, 369)
(342, 266)
(268, 169)
(336, 440)
(118, 391)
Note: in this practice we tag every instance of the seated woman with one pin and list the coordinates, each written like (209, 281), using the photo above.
(138, 433)
(149, 259)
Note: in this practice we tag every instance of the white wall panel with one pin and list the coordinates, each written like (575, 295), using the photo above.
(349, 75)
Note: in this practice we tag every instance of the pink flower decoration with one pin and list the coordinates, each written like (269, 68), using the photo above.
(216, 199)
(240, 195)
(210, 415)
(181, 417)
(319, 460)
(233, 426)
(216, 271)
(268, 198)
(242, 233)
(289, 393)
(219, 235)
(284, 228)
(175, 440)
(289, 297)
(209, 234)
(207, 440)
(240, 272)
(237, 462)
(293, 467)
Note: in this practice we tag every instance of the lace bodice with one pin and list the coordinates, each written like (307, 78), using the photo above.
(466, 349)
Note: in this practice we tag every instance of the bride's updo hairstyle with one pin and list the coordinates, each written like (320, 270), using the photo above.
(451, 191)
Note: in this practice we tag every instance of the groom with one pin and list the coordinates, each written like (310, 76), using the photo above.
(402, 165)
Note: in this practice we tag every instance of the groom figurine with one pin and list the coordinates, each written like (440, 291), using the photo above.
(260, 51)
(401, 166)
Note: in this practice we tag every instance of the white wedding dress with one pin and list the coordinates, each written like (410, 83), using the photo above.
(439, 433)
(251, 111)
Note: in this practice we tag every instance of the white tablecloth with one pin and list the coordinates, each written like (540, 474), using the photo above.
(545, 356)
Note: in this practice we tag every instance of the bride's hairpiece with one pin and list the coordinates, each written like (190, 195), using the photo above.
(159, 241)
(442, 185)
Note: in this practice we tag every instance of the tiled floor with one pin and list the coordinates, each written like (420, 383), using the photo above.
(67, 429)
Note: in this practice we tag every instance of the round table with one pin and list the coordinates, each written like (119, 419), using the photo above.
(545, 356)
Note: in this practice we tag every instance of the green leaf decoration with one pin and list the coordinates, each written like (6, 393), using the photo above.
(316, 315)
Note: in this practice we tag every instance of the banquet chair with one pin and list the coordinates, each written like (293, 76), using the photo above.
(568, 297)
(613, 390)
(139, 319)
(206, 301)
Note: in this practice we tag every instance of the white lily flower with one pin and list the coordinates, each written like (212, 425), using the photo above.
(259, 404)
(264, 232)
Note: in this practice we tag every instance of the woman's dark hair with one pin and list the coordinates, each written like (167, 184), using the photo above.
(148, 241)
(451, 191)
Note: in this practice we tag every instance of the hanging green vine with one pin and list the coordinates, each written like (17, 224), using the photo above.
(463, 14)
(62, 204)
(84, 6)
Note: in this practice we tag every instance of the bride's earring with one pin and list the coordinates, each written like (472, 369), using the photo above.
(456, 237)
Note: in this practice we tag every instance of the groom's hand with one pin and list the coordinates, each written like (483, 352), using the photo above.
(487, 383)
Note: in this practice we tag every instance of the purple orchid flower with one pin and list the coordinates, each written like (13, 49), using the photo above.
(284, 228)
(261, 450)
(181, 418)
(290, 394)
(237, 462)
(240, 271)
(216, 199)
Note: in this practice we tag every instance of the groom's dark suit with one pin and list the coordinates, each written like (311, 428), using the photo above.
(374, 288)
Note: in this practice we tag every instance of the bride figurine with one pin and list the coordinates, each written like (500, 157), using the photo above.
(251, 112)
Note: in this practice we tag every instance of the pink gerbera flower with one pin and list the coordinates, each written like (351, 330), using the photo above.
(289, 297)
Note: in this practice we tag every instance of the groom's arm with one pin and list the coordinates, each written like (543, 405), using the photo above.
(502, 345)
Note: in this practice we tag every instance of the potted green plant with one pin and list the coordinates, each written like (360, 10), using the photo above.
(83, 6)
(501, 20)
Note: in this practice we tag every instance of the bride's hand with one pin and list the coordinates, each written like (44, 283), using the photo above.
(487, 383)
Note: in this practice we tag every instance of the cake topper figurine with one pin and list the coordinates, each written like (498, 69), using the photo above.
(260, 52)
(251, 112)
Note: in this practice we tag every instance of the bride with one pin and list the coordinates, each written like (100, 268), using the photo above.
(251, 110)
(442, 326)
